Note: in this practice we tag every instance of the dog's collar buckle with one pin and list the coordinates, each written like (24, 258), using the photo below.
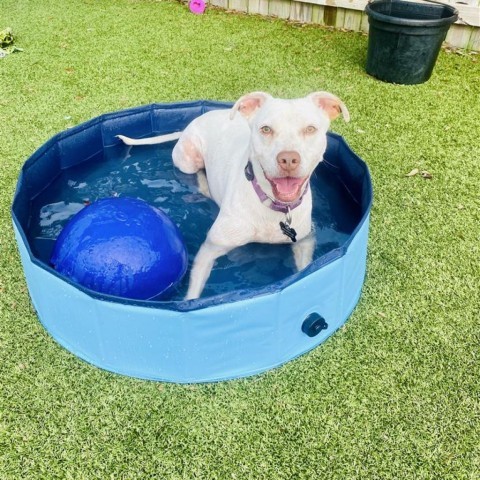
(249, 175)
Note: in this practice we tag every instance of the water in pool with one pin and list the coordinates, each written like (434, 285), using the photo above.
(148, 173)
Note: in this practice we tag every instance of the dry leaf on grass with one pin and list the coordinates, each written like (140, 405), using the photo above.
(423, 173)
(414, 172)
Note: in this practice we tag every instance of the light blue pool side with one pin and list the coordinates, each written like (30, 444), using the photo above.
(209, 344)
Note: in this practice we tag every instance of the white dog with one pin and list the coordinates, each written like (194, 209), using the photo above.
(258, 159)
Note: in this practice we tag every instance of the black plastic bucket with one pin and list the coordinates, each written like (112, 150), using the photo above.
(405, 38)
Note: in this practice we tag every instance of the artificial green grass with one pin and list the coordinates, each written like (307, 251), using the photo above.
(393, 395)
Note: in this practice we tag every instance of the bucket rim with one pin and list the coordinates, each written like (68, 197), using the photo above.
(382, 17)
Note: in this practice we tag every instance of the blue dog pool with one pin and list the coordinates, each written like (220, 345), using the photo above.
(256, 311)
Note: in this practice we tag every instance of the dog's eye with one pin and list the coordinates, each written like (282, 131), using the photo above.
(266, 130)
(310, 130)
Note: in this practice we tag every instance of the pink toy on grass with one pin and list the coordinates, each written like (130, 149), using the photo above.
(197, 6)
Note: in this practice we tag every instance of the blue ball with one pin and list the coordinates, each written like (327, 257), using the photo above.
(123, 247)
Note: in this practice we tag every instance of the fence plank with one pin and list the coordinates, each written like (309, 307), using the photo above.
(459, 36)
(474, 42)
(279, 8)
(364, 24)
(258, 7)
(340, 18)
(301, 12)
(317, 14)
(238, 5)
(353, 20)
(219, 3)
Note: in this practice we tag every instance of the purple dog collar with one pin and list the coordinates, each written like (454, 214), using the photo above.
(275, 205)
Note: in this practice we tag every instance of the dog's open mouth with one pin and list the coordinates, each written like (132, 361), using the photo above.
(287, 189)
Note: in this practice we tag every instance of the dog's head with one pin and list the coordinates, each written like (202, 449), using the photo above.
(288, 138)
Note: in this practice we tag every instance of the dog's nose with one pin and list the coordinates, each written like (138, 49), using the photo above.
(288, 160)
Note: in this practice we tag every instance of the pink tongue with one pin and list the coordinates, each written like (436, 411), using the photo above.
(287, 185)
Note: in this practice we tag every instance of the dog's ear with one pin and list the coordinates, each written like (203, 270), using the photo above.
(248, 104)
(332, 105)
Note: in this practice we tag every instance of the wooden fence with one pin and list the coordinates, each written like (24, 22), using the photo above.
(349, 15)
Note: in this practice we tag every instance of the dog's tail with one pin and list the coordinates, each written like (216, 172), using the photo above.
(150, 140)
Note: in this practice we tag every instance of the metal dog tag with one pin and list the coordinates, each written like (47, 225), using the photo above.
(286, 228)
(288, 231)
